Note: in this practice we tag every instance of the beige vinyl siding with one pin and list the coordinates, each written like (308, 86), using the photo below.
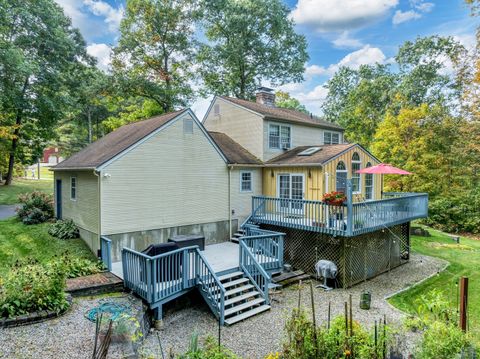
(301, 135)
(242, 201)
(241, 125)
(84, 210)
(172, 179)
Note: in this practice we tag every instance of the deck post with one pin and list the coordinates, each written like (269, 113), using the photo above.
(349, 207)
(157, 317)
(280, 250)
(186, 269)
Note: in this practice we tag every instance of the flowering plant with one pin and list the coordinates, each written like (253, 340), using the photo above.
(334, 198)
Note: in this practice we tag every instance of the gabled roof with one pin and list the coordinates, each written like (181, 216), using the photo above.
(234, 153)
(109, 146)
(320, 157)
(283, 114)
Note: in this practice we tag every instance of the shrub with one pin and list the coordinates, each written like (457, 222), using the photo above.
(64, 229)
(77, 267)
(211, 350)
(30, 286)
(37, 207)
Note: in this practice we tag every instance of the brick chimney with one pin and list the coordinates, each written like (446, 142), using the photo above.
(266, 96)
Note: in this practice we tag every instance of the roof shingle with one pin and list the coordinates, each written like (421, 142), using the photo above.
(283, 114)
(114, 143)
(234, 152)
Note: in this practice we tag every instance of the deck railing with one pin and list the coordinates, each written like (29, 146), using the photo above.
(162, 277)
(254, 271)
(106, 252)
(266, 247)
(349, 219)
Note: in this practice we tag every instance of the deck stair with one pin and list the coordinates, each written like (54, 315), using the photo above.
(237, 235)
(242, 300)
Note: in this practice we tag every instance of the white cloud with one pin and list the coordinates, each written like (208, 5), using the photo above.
(102, 52)
(112, 15)
(422, 6)
(73, 9)
(404, 16)
(340, 15)
(344, 41)
(315, 70)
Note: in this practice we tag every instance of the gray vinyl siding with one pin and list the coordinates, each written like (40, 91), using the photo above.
(241, 125)
(242, 201)
(84, 210)
(172, 179)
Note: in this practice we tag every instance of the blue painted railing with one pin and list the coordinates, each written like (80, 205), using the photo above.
(266, 247)
(254, 271)
(106, 252)
(160, 278)
(349, 219)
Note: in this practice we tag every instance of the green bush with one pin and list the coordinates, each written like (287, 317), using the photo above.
(64, 229)
(442, 341)
(37, 207)
(211, 350)
(78, 267)
(30, 286)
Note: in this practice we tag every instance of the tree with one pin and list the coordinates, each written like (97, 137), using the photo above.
(284, 100)
(248, 42)
(38, 50)
(154, 55)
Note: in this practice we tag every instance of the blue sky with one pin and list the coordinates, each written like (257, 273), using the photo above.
(339, 32)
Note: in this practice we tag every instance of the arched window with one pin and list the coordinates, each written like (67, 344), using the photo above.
(368, 184)
(356, 188)
(341, 177)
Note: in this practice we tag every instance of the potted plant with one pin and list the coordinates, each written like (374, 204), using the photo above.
(335, 198)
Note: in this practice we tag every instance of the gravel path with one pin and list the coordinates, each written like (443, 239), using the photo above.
(70, 336)
(260, 335)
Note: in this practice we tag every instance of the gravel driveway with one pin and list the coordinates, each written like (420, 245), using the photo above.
(71, 336)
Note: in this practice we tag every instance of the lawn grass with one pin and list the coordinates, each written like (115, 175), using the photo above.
(464, 260)
(19, 241)
(9, 194)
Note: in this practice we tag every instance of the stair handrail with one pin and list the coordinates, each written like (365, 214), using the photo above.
(246, 254)
(254, 209)
(206, 286)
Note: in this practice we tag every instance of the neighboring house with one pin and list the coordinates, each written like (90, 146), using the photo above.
(51, 156)
(249, 167)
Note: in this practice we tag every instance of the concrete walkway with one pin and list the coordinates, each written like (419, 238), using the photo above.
(7, 210)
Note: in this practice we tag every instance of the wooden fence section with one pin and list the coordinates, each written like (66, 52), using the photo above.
(346, 220)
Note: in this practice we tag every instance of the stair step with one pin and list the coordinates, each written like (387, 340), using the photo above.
(235, 282)
(234, 240)
(246, 315)
(241, 289)
(238, 234)
(228, 276)
(243, 306)
(240, 298)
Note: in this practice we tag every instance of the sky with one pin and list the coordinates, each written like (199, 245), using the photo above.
(338, 32)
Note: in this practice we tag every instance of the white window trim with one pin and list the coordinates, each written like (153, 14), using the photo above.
(279, 136)
(373, 184)
(76, 188)
(251, 182)
(341, 171)
(359, 162)
(331, 136)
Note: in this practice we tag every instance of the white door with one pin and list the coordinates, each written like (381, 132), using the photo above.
(291, 186)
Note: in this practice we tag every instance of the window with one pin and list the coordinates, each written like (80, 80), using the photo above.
(309, 151)
(246, 182)
(341, 177)
(187, 125)
(331, 138)
(356, 176)
(368, 184)
(73, 188)
(279, 136)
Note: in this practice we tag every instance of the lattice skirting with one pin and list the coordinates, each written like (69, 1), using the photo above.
(357, 258)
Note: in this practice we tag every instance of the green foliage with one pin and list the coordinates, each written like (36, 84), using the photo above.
(37, 207)
(304, 341)
(211, 350)
(249, 41)
(64, 229)
(9, 194)
(30, 286)
(75, 266)
(284, 100)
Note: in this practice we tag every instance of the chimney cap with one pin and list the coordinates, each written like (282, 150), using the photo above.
(264, 89)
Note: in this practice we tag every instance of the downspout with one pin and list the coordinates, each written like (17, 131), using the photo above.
(230, 202)
(99, 207)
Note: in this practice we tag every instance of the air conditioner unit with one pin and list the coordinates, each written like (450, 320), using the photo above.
(285, 146)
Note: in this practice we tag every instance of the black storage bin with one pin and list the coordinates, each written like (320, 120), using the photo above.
(188, 240)
(163, 266)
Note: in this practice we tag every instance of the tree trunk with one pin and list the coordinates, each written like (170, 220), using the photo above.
(16, 134)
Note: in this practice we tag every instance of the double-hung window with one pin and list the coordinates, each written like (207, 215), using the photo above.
(245, 181)
(279, 136)
(331, 138)
(73, 188)
(356, 176)
(368, 184)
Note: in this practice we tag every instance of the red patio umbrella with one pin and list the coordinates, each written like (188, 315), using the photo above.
(384, 169)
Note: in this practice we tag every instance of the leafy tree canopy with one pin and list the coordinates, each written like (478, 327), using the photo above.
(284, 100)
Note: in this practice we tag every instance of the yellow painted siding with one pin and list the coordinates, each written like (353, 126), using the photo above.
(300, 136)
(84, 210)
(242, 201)
(243, 126)
(315, 177)
(172, 179)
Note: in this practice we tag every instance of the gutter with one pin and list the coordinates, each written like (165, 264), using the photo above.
(99, 207)
(230, 168)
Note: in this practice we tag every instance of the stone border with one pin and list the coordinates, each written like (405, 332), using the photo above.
(34, 317)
